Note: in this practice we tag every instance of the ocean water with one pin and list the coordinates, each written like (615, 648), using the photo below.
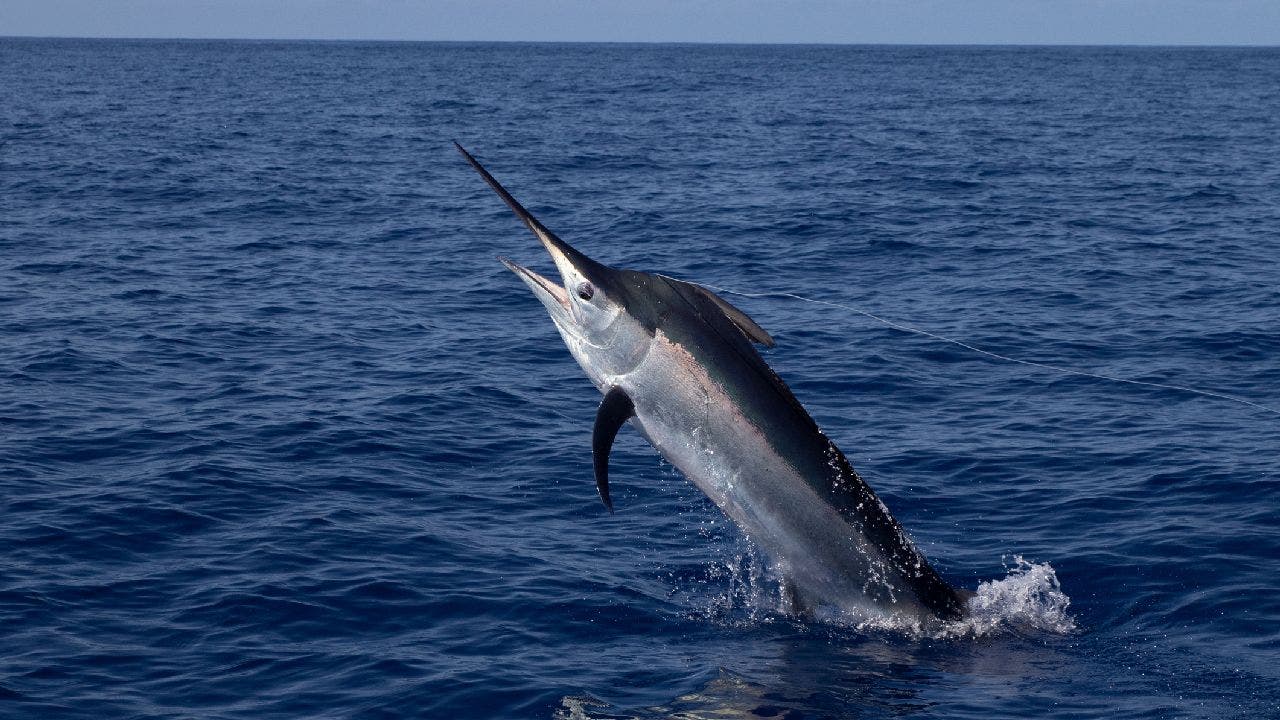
(280, 438)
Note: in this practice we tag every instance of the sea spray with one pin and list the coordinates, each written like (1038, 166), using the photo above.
(1028, 598)
(743, 590)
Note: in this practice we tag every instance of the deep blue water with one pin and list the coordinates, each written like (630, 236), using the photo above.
(279, 438)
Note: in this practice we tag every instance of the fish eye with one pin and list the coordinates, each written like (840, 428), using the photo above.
(585, 291)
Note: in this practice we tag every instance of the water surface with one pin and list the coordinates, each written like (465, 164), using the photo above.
(280, 438)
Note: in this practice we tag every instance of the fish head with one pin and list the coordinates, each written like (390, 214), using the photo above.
(590, 304)
(590, 311)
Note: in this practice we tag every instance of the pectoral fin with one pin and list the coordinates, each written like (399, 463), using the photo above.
(615, 409)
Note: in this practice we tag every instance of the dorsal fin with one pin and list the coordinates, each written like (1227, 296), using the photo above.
(739, 318)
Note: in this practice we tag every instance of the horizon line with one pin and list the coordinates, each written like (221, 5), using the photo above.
(888, 43)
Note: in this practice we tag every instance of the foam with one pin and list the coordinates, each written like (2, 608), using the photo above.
(1028, 598)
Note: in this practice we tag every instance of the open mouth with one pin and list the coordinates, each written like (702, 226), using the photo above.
(538, 282)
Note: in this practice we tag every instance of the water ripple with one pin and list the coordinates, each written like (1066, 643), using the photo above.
(279, 438)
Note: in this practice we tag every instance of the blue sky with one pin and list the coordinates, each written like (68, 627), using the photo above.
(1216, 22)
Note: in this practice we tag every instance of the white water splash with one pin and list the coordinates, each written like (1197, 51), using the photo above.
(1028, 599)
(749, 591)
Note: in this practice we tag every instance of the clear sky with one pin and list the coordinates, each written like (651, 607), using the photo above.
(1214, 22)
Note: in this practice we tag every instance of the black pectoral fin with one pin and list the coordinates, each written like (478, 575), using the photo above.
(744, 322)
(615, 409)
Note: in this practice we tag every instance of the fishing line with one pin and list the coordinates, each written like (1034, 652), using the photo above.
(1044, 366)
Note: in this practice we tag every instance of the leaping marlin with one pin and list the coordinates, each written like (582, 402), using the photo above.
(678, 362)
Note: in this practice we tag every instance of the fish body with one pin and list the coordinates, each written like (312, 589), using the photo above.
(678, 362)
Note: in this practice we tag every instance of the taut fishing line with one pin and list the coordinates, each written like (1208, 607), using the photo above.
(1068, 371)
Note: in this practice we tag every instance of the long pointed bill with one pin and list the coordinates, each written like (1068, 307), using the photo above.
(564, 255)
